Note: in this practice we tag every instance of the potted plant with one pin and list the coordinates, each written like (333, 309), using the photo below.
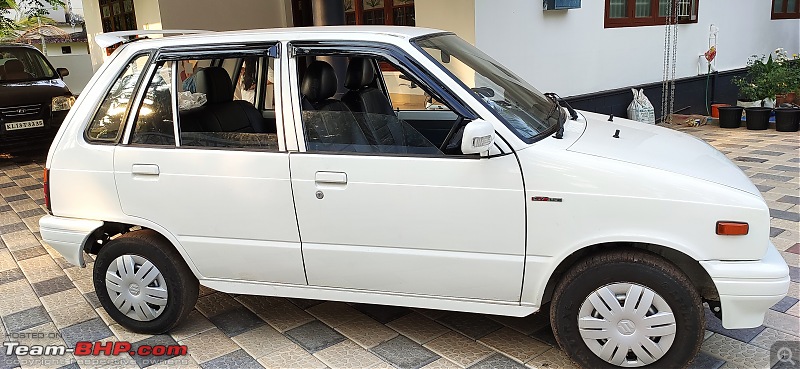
(762, 82)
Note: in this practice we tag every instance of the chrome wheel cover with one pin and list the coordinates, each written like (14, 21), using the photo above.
(627, 324)
(136, 287)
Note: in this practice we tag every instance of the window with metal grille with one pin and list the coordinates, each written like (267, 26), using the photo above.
(635, 13)
(785, 9)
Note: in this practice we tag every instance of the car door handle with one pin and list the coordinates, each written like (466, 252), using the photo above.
(145, 169)
(331, 177)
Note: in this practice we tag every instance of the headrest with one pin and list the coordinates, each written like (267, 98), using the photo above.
(215, 83)
(320, 82)
(360, 73)
(14, 66)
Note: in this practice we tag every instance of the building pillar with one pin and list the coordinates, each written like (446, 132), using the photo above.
(328, 12)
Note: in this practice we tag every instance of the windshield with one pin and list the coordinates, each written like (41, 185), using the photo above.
(21, 64)
(524, 109)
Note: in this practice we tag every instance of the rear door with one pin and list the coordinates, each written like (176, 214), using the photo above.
(225, 195)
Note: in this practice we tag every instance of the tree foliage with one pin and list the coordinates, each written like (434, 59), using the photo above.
(16, 14)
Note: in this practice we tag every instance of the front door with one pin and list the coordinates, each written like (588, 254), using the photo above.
(222, 187)
(401, 217)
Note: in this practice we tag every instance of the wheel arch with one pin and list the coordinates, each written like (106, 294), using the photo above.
(113, 229)
(689, 266)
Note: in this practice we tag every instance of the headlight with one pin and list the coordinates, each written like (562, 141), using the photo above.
(63, 102)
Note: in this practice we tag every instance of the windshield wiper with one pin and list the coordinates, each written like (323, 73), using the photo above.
(573, 115)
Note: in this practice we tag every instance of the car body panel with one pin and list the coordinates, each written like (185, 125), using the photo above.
(442, 233)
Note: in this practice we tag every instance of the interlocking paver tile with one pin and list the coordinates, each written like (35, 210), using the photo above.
(334, 314)
(314, 336)
(262, 341)
(784, 304)
(91, 297)
(459, 349)
(418, 328)
(195, 323)
(162, 339)
(216, 303)
(442, 364)
(553, 358)
(348, 355)
(11, 275)
(90, 330)
(706, 361)
(25, 319)
(782, 322)
(73, 314)
(24, 297)
(19, 240)
(305, 303)
(290, 358)
(209, 345)
(53, 285)
(473, 326)
(235, 360)
(737, 352)
(382, 313)
(405, 353)
(514, 344)
(123, 334)
(769, 336)
(497, 361)
(366, 332)
(60, 299)
(236, 321)
(526, 325)
(30, 252)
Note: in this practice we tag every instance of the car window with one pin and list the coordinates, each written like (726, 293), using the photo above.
(218, 104)
(106, 126)
(20, 64)
(345, 109)
(154, 124)
(405, 93)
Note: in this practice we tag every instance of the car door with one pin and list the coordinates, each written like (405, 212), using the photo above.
(218, 185)
(402, 219)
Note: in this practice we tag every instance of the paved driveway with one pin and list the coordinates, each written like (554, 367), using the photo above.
(45, 301)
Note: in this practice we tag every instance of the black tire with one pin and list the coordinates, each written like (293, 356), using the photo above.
(181, 284)
(631, 266)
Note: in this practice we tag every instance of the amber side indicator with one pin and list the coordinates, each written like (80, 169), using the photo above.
(732, 228)
(46, 185)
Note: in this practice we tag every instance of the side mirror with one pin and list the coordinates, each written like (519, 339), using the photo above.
(63, 72)
(478, 137)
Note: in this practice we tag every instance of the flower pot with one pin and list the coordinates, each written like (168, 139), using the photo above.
(730, 116)
(758, 118)
(715, 109)
(787, 120)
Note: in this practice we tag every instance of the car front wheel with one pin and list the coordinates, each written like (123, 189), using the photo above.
(627, 309)
(143, 282)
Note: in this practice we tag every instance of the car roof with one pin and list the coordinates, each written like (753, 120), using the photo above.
(292, 33)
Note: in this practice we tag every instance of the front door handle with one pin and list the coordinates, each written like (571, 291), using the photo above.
(145, 169)
(331, 178)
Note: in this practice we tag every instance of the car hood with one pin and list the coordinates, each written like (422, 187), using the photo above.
(33, 92)
(660, 148)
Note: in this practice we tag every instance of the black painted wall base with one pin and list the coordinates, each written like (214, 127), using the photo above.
(690, 95)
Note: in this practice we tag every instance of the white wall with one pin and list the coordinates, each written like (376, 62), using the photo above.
(450, 15)
(80, 70)
(54, 49)
(570, 52)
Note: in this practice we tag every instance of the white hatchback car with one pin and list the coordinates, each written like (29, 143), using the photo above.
(399, 166)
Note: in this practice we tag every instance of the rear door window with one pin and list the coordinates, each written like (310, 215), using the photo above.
(106, 126)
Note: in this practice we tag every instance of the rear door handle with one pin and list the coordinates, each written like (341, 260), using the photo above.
(145, 169)
(331, 177)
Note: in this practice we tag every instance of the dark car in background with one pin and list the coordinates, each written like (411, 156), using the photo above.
(33, 97)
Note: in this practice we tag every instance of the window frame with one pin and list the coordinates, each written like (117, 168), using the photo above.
(630, 19)
(214, 52)
(372, 49)
(124, 123)
(785, 14)
(388, 12)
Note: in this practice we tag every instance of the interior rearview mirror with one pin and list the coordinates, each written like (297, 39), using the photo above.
(63, 72)
(478, 137)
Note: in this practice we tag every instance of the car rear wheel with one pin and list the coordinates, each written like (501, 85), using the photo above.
(627, 309)
(143, 283)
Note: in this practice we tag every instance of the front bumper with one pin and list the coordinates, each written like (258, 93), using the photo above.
(68, 235)
(747, 289)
